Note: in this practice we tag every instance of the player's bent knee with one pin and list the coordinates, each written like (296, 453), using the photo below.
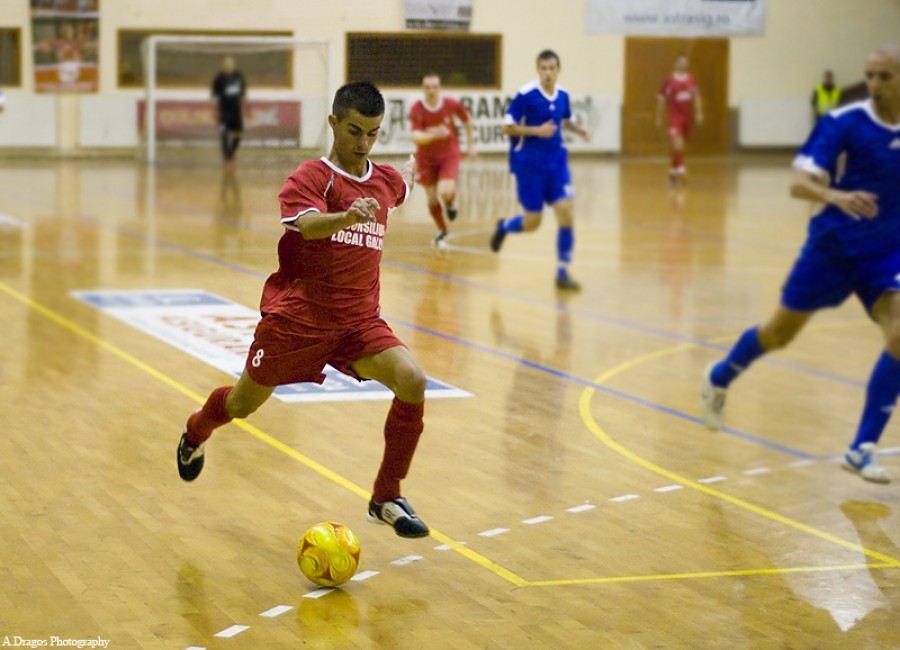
(410, 386)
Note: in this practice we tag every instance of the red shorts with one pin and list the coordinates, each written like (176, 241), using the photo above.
(431, 170)
(680, 128)
(285, 352)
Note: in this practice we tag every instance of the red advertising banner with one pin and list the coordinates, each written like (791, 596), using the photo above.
(64, 33)
(271, 123)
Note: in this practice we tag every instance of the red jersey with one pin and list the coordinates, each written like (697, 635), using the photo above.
(679, 92)
(422, 116)
(333, 282)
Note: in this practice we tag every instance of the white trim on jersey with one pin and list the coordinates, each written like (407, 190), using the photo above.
(340, 171)
(866, 106)
(291, 222)
(808, 165)
(436, 108)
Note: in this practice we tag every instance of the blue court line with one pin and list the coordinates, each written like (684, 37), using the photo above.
(557, 373)
(557, 306)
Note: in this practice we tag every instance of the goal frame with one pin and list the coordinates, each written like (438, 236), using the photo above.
(150, 88)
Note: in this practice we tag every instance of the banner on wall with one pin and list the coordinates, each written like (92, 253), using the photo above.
(438, 14)
(676, 17)
(64, 33)
(599, 115)
(273, 123)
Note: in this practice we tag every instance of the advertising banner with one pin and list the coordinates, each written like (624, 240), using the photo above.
(266, 123)
(64, 33)
(438, 14)
(676, 17)
(599, 115)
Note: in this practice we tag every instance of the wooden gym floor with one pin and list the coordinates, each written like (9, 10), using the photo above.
(575, 500)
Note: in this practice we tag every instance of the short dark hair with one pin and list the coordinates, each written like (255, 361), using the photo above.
(546, 55)
(361, 96)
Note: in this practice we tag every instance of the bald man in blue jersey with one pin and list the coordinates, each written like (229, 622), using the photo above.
(853, 247)
(540, 163)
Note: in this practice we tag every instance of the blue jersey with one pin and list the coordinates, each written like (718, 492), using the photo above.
(872, 150)
(531, 107)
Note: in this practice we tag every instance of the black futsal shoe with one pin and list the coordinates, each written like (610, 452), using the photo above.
(566, 283)
(498, 237)
(399, 514)
(190, 459)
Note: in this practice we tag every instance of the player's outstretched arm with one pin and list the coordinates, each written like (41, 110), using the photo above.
(408, 172)
(545, 130)
(313, 225)
(859, 205)
(571, 125)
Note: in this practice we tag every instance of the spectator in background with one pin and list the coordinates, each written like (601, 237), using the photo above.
(826, 96)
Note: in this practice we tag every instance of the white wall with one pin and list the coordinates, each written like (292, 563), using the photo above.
(803, 37)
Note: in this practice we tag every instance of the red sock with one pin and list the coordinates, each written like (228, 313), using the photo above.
(402, 429)
(437, 213)
(213, 414)
(677, 158)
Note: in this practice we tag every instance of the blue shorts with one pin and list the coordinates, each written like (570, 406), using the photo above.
(825, 275)
(537, 186)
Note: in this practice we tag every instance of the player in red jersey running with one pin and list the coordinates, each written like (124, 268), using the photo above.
(432, 121)
(322, 305)
(680, 98)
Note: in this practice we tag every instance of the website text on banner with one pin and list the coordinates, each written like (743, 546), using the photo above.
(676, 17)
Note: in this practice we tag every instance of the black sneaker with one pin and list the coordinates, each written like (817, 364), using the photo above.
(399, 514)
(451, 213)
(439, 240)
(190, 459)
(498, 237)
(566, 283)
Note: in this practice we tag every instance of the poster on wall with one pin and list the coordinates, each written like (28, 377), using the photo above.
(438, 14)
(676, 17)
(65, 37)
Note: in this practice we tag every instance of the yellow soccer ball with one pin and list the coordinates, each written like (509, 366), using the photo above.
(328, 554)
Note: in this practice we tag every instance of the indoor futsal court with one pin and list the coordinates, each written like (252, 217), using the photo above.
(575, 498)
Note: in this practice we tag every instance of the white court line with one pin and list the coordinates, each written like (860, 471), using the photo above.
(196, 647)
(711, 479)
(446, 547)
(229, 632)
(756, 471)
(537, 520)
(802, 463)
(625, 497)
(493, 531)
(318, 593)
(278, 610)
(365, 575)
(407, 560)
(581, 508)
(668, 488)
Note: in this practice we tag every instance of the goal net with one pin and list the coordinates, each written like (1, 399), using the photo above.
(287, 91)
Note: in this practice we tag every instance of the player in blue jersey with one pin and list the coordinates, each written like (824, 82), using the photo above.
(539, 161)
(853, 246)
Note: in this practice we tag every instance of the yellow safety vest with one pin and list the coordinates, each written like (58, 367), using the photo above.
(826, 101)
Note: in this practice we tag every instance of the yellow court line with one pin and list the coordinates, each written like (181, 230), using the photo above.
(65, 323)
(707, 574)
(589, 421)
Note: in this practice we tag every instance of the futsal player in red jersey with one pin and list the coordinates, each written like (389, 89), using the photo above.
(322, 305)
(680, 98)
(432, 121)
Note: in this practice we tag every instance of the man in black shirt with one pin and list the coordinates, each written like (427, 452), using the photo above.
(229, 89)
